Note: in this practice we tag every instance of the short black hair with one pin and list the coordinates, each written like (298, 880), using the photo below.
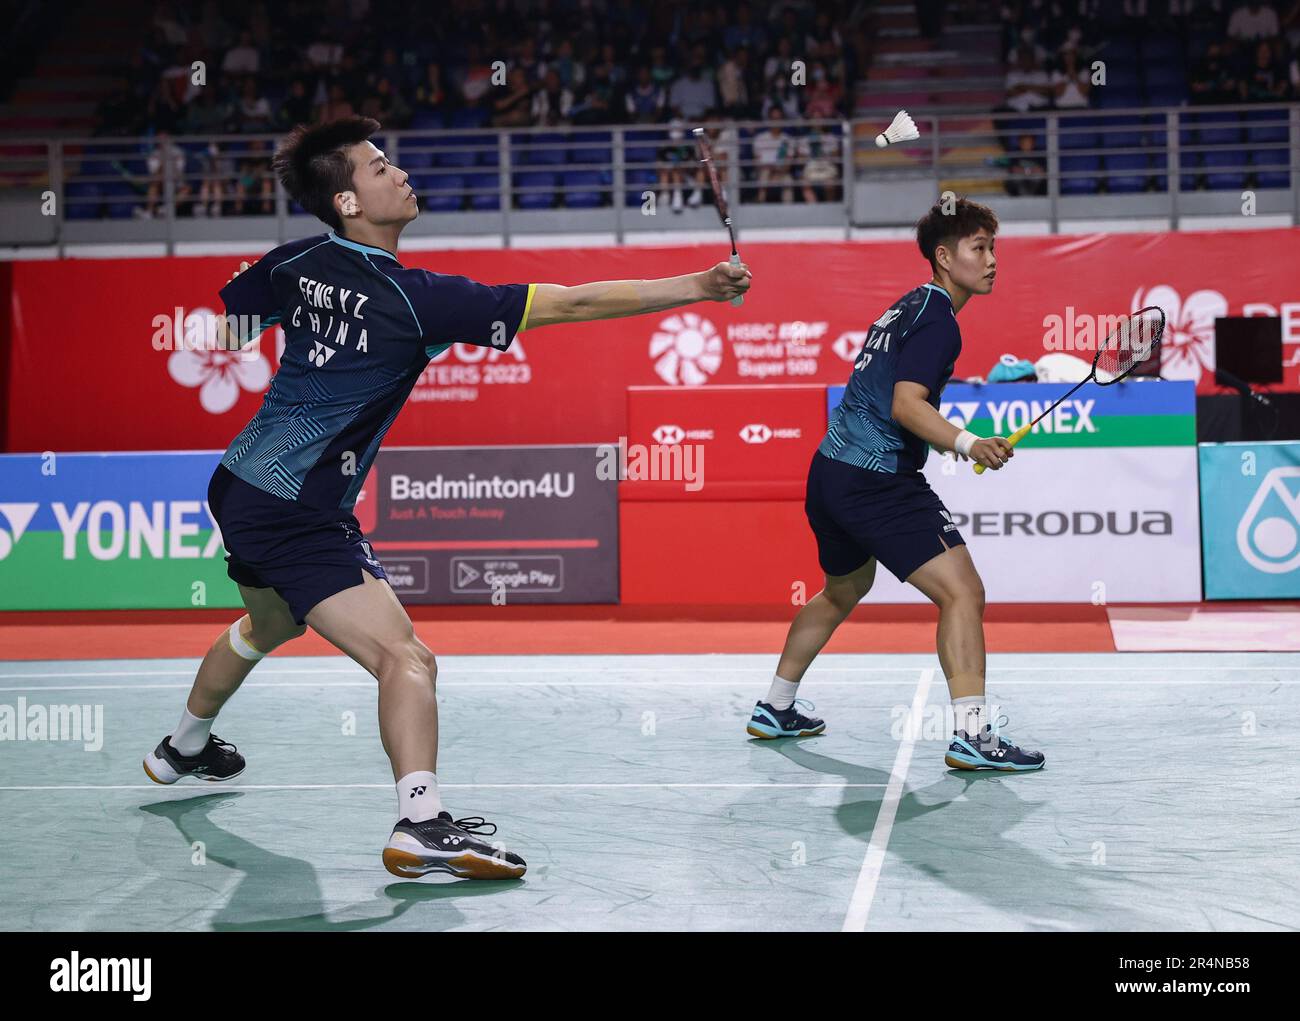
(937, 227)
(313, 165)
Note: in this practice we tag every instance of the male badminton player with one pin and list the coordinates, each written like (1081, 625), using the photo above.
(867, 500)
(359, 329)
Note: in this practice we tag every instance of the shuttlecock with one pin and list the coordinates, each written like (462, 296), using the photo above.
(901, 130)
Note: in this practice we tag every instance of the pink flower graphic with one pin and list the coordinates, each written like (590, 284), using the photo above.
(219, 375)
(1188, 344)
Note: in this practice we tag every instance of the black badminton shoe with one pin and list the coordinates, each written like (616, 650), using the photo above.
(442, 845)
(218, 761)
(990, 750)
(770, 722)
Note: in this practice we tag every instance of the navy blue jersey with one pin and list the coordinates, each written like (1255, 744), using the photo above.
(917, 340)
(359, 328)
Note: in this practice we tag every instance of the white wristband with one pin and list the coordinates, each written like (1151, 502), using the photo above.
(965, 440)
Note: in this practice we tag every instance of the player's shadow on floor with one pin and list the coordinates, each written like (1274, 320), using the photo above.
(276, 892)
(954, 831)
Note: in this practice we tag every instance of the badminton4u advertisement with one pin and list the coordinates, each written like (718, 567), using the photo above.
(500, 524)
(1250, 500)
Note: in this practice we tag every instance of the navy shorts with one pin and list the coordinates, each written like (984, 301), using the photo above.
(306, 555)
(857, 514)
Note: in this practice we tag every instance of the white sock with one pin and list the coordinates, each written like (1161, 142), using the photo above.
(969, 715)
(781, 694)
(191, 734)
(417, 796)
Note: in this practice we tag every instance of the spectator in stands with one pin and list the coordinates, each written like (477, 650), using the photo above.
(773, 150)
(824, 95)
(1028, 87)
(324, 52)
(676, 167)
(645, 101)
(1071, 84)
(165, 158)
(386, 105)
(431, 94)
(743, 32)
(210, 114)
(254, 109)
(692, 94)
(297, 106)
(475, 78)
(818, 154)
(336, 106)
(552, 103)
(571, 72)
(1253, 21)
(1026, 172)
(514, 108)
(1267, 81)
(599, 102)
(242, 58)
(660, 69)
(733, 88)
(783, 96)
(779, 63)
(1213, 80)
(254, 179)
(215, 169)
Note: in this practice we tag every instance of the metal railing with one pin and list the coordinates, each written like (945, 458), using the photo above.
(1122, 162)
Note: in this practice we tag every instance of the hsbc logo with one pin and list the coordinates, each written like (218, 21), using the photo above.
(320, 354)
(759, 432)
(15, 517)
(848, 344)
(671, 434)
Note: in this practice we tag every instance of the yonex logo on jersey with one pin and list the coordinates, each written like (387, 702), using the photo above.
(756, 433)
(320, 354)
(884, 321)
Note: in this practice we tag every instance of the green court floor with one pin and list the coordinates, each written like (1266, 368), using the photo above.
(627, 782)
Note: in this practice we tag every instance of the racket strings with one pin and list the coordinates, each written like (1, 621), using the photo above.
(1135, 340)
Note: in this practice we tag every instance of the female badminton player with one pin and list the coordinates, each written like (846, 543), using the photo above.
(867, 500)
(359, 329)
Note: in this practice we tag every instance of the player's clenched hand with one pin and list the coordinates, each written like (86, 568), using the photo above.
(725, 281)
(992, 452)
(242, 266)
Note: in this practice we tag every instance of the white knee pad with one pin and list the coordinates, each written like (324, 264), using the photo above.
(240, 645)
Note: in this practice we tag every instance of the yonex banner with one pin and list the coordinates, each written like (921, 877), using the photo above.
(1250, 506)
(1143, 413)
(1099, 504)
(110, 531)
(495, 524)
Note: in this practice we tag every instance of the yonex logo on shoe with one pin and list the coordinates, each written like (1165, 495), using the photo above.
(102, 975)
(417, 791)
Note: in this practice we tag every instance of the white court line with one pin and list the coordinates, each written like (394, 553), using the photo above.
(457, 685)
(865, 890)
(465, 786)
(741, 671)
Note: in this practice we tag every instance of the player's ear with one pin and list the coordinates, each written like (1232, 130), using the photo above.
(942, 257)
(346, 203)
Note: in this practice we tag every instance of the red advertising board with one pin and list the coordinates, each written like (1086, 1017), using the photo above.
(93, 364)
(730, 442)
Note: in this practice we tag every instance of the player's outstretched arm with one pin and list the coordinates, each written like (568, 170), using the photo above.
(613, 299)
(914, 413)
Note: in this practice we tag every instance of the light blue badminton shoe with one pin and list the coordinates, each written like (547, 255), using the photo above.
(990, 751)
(770, 722)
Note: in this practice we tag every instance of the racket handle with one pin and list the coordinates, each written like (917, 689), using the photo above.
(1013, 439)
(739, 299)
